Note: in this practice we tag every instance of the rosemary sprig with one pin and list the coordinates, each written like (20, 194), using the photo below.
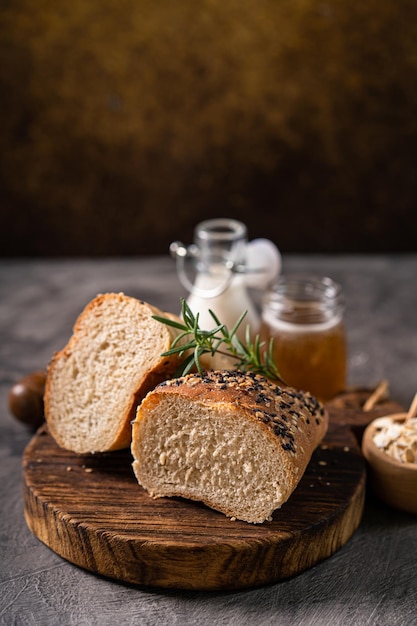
(249, 356)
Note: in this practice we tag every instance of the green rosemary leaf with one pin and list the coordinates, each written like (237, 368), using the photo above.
(249, 355)
(198, 351)
(216, 319)
(241, 348)
(237, 325)
(180, 349)
(271, 349)
(169, 322)
(195, 325)
(187, 315)
(213, 332)
(186, 366)
(216, 344)
(171, 352)
(257, 348)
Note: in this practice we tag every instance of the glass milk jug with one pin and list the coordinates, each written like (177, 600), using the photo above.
(224, 265)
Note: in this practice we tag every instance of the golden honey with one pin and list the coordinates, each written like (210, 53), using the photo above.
(304, 316)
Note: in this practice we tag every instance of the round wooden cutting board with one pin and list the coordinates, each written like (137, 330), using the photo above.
(91, 511)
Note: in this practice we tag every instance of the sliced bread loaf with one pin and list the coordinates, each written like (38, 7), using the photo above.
(112, 360)
(232, 440)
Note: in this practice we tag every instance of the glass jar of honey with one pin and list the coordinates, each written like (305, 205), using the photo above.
(304, 316)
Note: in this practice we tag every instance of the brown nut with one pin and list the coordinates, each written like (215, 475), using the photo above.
(26, 399)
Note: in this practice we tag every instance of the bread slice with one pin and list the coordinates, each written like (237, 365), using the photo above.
(232, 440)
(112, 360)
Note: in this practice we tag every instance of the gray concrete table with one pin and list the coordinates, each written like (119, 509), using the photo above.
(372, 580)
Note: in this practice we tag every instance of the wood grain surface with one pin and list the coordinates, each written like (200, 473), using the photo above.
(90, 510)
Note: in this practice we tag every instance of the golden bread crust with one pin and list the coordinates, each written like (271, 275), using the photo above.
(97, 319)
(293, 423)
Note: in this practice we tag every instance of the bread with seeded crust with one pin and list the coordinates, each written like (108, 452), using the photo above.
(232, 440)
(96, 381)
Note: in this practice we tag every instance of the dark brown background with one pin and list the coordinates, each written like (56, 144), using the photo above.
(123, 124)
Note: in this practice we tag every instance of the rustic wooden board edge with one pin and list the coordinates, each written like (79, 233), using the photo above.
(145, 564)
(233, 565)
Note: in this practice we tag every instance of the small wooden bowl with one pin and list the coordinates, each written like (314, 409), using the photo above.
(394, 482)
